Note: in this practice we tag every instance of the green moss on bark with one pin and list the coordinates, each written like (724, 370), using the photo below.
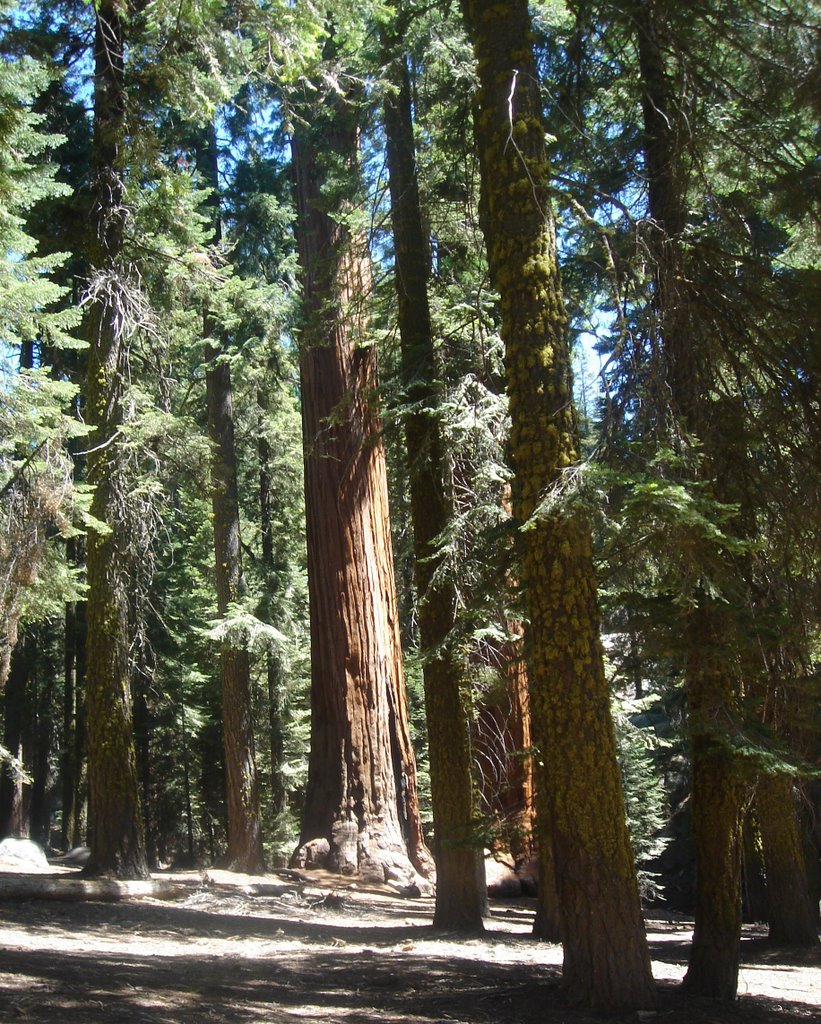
(606, 958)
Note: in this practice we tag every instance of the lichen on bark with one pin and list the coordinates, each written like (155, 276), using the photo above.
(606, 962)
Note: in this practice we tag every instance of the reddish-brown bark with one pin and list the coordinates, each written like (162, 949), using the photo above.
(362, 796)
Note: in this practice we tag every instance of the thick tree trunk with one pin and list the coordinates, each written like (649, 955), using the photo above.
(461, 899)
(547, 923)
(245, 851)
(117, 840)
(791, 917)
(362, 803)
(606, 961)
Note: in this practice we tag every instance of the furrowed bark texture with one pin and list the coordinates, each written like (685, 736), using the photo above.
(117, 837)
(791, 917)
(606, 961)
(362, 794)
(502, 733)
(717, 795)
(712, 678)
(461, 899)
(244, 851)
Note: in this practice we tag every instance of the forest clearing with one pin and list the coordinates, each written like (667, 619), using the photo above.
(224, 948)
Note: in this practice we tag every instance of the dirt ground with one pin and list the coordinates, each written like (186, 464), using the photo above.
(227, 948)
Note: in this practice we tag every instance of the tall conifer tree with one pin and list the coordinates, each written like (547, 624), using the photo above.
(117, 833)
(362, 798)
(606, 961)
(244, 827)
(460, 886)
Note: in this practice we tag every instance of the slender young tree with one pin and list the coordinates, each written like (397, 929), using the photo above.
(606, 961)
(12, 811)
(117, 834)
(276, 684)
(712, 678)
(73, 688)
(245, 851)
(460, 889)
(362, 802)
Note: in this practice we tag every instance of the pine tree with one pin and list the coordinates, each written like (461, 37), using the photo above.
(36, 479)
(704, 391)
(117, 830)
(694, 343)
(460, 896)
(606, 959)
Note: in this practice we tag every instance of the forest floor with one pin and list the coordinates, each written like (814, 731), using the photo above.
(228, 948)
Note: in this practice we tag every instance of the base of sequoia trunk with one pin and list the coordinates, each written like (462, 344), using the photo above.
(351, 852)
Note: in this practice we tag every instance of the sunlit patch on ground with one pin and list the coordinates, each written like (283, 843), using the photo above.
(359, 957)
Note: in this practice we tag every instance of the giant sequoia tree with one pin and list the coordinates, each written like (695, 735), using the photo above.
(117, 838)
(362, 796)
(606, 961)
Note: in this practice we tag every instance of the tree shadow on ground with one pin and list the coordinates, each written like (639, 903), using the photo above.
(240, 960)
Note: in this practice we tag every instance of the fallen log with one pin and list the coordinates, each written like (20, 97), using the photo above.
(17, 887)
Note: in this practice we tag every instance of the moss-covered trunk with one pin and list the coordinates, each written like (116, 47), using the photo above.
(460, 888)
(362, 798)
(116, 827)
(606, 962)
